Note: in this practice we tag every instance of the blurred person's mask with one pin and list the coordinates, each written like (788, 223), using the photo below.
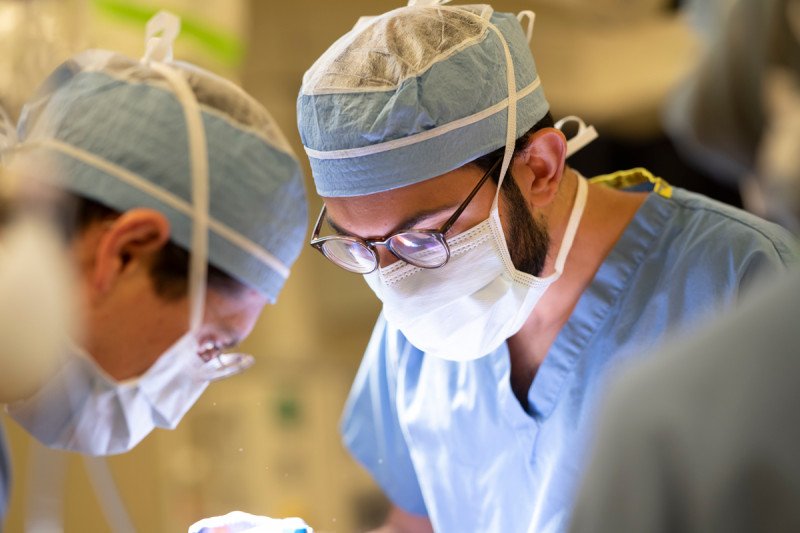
(467, 308)
(81, 408)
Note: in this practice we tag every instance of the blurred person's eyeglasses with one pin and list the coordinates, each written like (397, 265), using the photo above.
(219, 364)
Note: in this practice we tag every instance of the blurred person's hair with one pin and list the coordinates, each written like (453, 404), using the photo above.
(170, 270)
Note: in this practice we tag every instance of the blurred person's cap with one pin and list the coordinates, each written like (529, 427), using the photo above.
(117, 133)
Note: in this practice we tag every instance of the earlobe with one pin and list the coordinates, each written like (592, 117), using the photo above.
(541, 166)
(128, 243)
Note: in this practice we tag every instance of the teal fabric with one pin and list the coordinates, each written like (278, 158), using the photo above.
(458, 86)
(451, 441)
(255, 189)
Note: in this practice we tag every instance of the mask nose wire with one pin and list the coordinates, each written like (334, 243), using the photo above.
(159, 50)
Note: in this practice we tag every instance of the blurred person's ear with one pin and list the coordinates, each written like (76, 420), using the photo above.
(125, 246)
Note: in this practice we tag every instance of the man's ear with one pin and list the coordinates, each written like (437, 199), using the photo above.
(128, 244)
(538, 168)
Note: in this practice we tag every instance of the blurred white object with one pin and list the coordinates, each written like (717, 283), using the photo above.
(35, 35)
(36, 304)
(35, 309)
(778, 157)
(241, 522)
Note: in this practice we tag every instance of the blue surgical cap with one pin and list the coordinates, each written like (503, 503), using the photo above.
(412, 94)
(116, 133)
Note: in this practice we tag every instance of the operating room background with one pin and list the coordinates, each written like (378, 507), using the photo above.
(267, 441)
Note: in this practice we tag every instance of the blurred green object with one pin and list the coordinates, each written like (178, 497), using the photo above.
(224, 46)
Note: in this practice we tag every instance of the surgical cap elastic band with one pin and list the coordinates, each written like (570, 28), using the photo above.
(161, 194)
(422, 136)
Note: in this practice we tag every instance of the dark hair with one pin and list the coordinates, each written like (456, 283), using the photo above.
(485, 162)
(170, 270)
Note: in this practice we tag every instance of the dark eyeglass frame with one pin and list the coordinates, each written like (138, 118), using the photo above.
(370, 244)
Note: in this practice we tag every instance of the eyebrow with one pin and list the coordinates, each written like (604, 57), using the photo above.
(408, 223)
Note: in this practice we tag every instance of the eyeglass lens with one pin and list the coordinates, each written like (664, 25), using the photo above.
(419, 248)
(350, 255)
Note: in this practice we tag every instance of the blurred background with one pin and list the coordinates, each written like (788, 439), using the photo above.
(267, 441)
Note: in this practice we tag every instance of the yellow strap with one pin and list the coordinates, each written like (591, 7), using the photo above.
(625, 179)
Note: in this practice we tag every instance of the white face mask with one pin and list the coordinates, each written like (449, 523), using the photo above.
(83, 409)
(470, 306)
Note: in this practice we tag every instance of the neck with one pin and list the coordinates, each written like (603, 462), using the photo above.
(606, 215)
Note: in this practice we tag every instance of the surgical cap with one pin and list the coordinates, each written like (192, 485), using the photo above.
(415, 93)
(117, 134)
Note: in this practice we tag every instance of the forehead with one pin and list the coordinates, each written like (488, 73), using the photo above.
(379, 213)
(232, 314)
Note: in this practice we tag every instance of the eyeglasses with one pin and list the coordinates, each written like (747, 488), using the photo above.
(220, 365)
(418, 247)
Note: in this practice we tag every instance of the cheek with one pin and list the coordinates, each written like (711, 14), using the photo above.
(476, 212)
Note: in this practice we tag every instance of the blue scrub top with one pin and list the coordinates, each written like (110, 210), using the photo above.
(451, 441)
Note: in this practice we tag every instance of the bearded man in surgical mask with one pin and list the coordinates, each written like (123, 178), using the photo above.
(511, 285)
(189, 212)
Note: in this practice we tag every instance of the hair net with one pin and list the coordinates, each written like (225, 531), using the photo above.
(415, 93)
(117, 133)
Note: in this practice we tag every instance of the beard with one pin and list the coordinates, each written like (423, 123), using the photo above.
(528, 240)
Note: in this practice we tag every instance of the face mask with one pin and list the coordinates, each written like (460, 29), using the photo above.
(478, 299)
(83, 409)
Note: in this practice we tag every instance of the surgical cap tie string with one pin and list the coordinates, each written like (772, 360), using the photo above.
(160, 49)
(511, 121)
(531, 16)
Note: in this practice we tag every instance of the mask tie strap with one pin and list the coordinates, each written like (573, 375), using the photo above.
(159, 49)
(572, 225)
(531, 16)
(511, 120)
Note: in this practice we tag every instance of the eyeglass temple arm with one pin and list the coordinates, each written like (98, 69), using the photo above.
(318, 225)
(465, 203)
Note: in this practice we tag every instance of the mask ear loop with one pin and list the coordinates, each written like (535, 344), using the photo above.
(585, 135)
(531, 16)
(159, 49)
